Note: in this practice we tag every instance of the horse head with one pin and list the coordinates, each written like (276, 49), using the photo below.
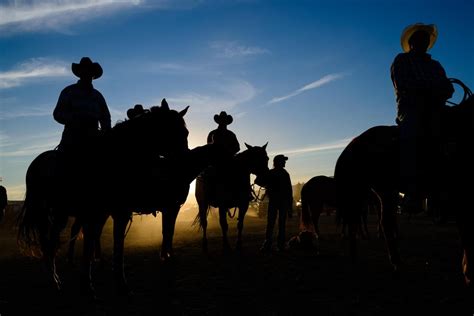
(158, 131)
(257, 158)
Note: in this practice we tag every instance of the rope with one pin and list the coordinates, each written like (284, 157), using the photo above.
(233, 215)
(467, 91)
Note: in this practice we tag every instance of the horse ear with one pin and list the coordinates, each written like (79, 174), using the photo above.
(265, 146)
(248, 146)
(183, 112)
(164, 105)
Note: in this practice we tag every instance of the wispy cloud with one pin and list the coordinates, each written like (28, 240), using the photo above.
(339, 144)
(43, 15)
(49, 14)
(232, 49)
(26, 112)
(313, 85)
(31, 70)
(225, 97)
(28, 146)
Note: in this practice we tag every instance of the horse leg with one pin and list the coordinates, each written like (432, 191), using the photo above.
(389, 225)
(203, 224)
(168, 224)
(240, 226)
(49, 246)
(224, 227)
(75, 230)
(464, 222)
(91, 228)
(315, 214)
(121, 220)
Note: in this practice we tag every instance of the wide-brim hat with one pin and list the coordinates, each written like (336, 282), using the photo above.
(223, 118)
(280, 158)
(137, 110)
(409, 30)
(87, 67)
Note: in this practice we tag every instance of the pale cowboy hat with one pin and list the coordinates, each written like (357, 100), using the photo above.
(87, 67)
(409, 30)
(223, 118)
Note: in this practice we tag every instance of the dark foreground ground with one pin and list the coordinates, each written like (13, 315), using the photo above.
(249, 283)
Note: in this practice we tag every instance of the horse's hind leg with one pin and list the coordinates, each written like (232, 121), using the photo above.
(75, 230)
(203, 224)
(240, 226)
(121, 219)
(49, 240)
(225, 228)
(315, 211)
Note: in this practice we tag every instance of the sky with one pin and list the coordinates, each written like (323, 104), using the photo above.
(304, 76)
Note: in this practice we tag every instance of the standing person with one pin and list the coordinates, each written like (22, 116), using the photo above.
(3, 201)
(280, 202)
(421, 89)
(82, 110)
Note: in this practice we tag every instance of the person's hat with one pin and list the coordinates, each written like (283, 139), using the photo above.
(136, 111)
(223, 118)
(409, 30)
(280, 158)
(87, 67)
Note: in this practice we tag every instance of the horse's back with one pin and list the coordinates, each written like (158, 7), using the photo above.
(319, 189)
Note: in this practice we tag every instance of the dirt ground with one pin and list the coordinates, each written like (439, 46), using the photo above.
(288, 283)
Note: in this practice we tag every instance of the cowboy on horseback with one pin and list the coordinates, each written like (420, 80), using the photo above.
(82, 109)
(421, 89)
(218, 174)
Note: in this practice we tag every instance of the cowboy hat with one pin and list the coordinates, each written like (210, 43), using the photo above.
(87, 67)
(409, 30)
(223, 118)
(280, 158)
(136, 111)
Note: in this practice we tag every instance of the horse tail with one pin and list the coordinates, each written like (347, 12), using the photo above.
(306, 222)
(203, 201)
(33, 219)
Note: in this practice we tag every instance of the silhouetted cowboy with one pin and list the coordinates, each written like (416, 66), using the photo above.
(3, 201)
(223, 136)
(81, 108)
(280, 202)
(218, 175)
(421, 88)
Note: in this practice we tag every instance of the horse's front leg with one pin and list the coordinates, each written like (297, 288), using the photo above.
(75, 230)
(91, 228)
(168, 225)
(240, 225)
(225, 228)
(389, 225)
(121, 220)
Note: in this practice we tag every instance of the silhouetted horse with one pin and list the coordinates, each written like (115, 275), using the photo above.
(319, 194)
(144, 164)
(371, 162)
(233, 191)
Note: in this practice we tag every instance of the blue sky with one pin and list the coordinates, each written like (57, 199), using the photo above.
(306, 76)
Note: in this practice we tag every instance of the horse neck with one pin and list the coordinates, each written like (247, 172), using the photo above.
(197, 159)
(243, 162)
